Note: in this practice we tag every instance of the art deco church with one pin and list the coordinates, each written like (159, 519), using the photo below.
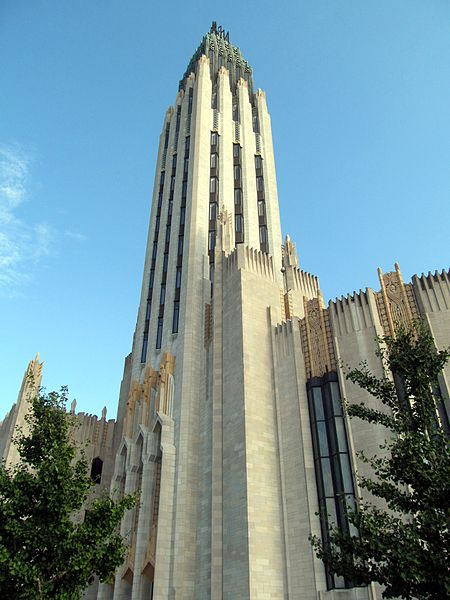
(229, 418)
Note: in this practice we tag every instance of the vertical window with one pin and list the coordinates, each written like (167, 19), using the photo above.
(182, 215)
(331, 459)
(263, 234)
(174, 161)
(96, 470)
(237, 172)
(187, 144)
(238, 197)
(260, 184)
(159, 333)
(176, 316)
(214, 161)
(180, 244)
(236, 150)
(211, 240)
(178, 279)
(144, 348)
(214, 137)
(258, 162)
(239, 222)
(261, 208)
(162, 296)
(212, 211)
(148, 310)
(191, 94)
(213, 185)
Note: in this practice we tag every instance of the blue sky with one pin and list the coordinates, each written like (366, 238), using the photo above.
(359, 93)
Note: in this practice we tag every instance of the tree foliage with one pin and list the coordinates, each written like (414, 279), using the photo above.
(403, 541)
(44, 551)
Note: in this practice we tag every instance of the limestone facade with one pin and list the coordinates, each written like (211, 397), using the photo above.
(230, 399)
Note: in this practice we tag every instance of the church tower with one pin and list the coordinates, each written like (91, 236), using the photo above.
(230, 423)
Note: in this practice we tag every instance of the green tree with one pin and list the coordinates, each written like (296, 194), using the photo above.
(44, 552)
(403, 541)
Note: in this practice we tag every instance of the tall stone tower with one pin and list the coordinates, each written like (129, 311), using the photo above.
(229, 421)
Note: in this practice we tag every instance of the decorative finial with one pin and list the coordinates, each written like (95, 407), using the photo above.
(104, 413)
(73, 406)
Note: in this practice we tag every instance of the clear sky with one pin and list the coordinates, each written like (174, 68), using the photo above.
(359, 93)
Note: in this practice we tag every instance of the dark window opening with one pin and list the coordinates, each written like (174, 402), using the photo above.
(96, 469)
(159, 333)
(331, 459)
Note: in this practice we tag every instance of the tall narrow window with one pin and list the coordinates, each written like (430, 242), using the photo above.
(237, 172)
(96, 469)
(159, 333)
(144, 348)
(176, 316)
(331, 458)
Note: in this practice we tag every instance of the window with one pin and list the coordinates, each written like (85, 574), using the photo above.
(177, 128)
(258, 162)
(191, 94)
(167, 234)
(214, 161)
(176, 316)
(213, 185)
(235, 113)
(178, 279)
(166, 140)
(160, 196)
(162, 296)
(182, 215)
(155, 250)
(214, 138)
(158, 219)
(148, 309)
(236, 150)
(211, 240)
(238, 197)
(261, 208)
(152, 278)
(174, 161)
(214, 100)
(186, 166)
(237, 172)
(159, 333)
(161, 178)
(165, 261)
(180, 244)
(239, 223)
(238, 73)
(260, 184)
(331, 459)
(172, 183)
(212, 211)
(187, 144)
(184, 189)
(144, 348)
(263, 234)
(96, 470)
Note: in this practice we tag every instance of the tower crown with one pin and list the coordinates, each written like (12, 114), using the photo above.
(221, 52)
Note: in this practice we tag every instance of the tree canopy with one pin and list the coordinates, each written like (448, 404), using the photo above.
(45, 551)
(403, 539)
